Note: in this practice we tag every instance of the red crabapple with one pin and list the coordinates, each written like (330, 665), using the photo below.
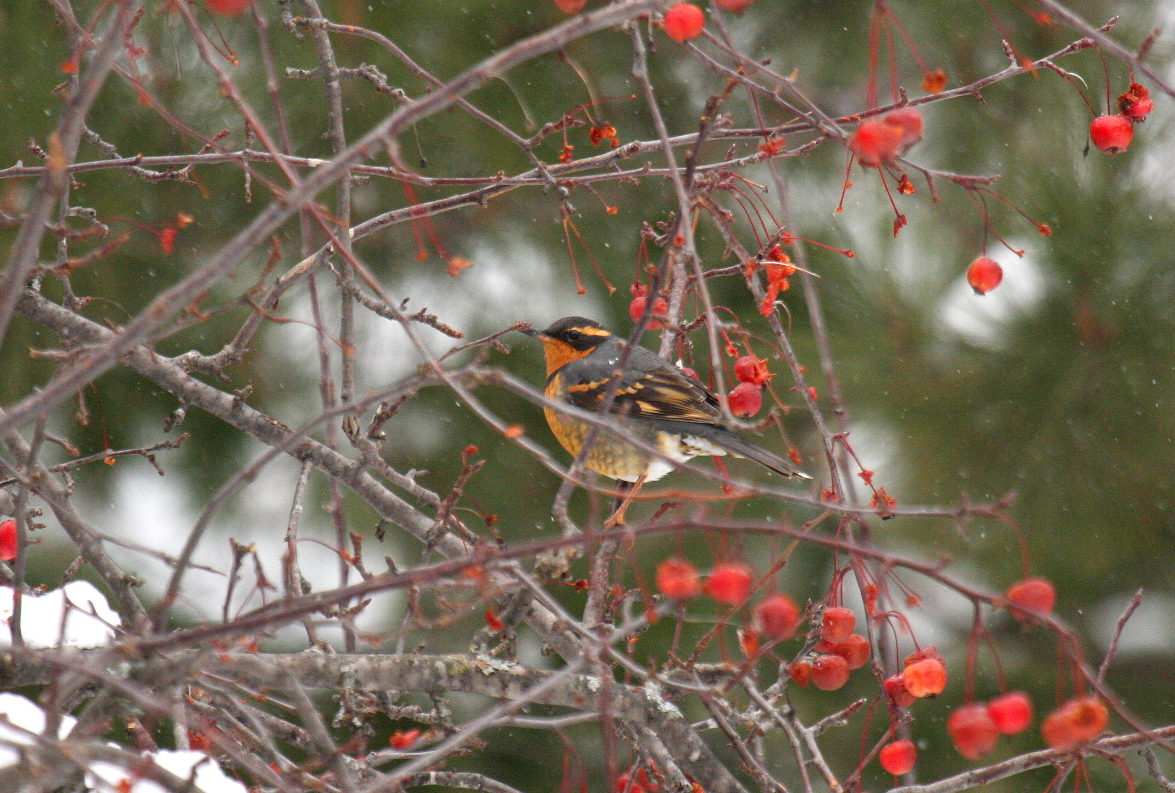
(925, 678)
(984, 275)
(636, 310)
(730, 584)
(801, 673)
(874, 141)
(1011, 712)
(745, 399)
(1111, 134)
(1076, 722)
(8, 546)
(1033, 593)
(829, 672)
(677, 579)
(972, 731)
(854, 649)
(898, 757)
(837, 624)
(776, 617)
(684, 22)
(921, 654)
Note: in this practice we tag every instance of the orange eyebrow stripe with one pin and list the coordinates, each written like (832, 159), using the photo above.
(593, 331)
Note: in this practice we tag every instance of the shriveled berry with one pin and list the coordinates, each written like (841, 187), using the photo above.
(751, 369)
(925, 678)
(972, 731)
(749, 642)
(874, 141)
(779, 270)
(801, 673)
(684, 22)
(837, 624)
(677, 579)
(1076, 722)
(984, 275)
(1136, 103)
(1035, 593)
(1111, 134)
(898, 757)
(776, 617)
(746, 399)
(1011, 712)
(829, 672)
(730, 584)
(909, 121)
(933, 82)
(895, 689)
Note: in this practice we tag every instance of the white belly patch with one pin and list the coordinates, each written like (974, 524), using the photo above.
(680, 449)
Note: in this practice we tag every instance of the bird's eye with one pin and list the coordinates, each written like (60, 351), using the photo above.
(573, 335)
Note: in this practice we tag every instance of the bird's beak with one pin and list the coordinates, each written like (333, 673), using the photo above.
(529, 331)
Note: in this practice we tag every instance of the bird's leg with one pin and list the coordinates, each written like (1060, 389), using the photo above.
(626, 493)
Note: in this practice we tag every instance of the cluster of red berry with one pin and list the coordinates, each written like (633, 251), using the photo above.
(774, 619)
(746, 398)
(1112, 133)
(729, 583)
(974, 728)
(839, 652)
(751, 372)
(640, 299)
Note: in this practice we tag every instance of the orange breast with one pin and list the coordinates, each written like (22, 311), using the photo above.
(610, 455)
(559, 354)
(569, 432)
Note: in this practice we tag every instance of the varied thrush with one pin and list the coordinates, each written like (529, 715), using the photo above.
(657, 403)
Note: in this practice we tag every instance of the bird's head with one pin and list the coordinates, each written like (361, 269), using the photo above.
(570, 339)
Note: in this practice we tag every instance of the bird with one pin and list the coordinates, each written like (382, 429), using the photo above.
(655, 402)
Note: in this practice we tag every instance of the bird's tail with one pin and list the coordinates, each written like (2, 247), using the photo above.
(740, 447)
